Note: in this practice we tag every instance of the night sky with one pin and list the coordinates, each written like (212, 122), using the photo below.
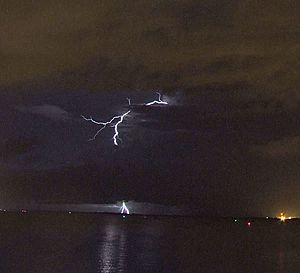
(228, 142)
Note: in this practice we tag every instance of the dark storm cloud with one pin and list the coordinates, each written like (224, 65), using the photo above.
(48, 111)
(257, 122)
(286, 147)
(200, 151)
(146, 44)
(15, 146)
(227, 142)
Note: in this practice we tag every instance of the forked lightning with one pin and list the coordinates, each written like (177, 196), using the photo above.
(124, 209)
(117, 120)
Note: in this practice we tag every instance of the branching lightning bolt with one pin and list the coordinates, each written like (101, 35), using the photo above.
(120, 119)
(159, 101)
(116, 135)
(124, 209)
(104, 124)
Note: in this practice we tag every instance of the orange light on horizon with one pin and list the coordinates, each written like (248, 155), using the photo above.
(282, 217)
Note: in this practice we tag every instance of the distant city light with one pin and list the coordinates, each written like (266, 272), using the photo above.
(249, 224)
(282, 217)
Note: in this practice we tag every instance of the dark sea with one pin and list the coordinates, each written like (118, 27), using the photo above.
(90, 243)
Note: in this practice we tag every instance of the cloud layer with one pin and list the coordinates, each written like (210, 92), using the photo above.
(48, 111)
(145, 44)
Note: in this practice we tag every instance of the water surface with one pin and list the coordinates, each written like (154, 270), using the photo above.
(90, 243)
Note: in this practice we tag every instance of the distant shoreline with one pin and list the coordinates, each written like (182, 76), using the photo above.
(78, 209)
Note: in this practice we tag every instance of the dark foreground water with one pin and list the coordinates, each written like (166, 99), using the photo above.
(106, 243)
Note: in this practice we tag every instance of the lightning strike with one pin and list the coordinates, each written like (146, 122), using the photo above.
(124, 209)
(159, 101)
(104, 124)
(120, 119)
(116, 135)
